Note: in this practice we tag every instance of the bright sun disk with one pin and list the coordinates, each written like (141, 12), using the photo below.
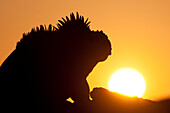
(128, 82)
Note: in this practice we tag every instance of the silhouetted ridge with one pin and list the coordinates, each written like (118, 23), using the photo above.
(105, 101)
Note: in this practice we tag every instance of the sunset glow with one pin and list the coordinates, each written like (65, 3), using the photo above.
(139, 32)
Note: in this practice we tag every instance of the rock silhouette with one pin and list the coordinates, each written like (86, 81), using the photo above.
(50, 65)
(105, 101)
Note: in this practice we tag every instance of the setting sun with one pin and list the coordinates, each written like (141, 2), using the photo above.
(128, 82)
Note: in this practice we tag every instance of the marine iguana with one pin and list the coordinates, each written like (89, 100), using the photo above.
(51, 64)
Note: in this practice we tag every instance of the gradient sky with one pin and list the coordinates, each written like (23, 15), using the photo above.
(139, 31)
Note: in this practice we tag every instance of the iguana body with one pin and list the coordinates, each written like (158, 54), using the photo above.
(51, 64)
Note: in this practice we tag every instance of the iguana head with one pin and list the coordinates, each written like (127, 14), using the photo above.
(94, 44)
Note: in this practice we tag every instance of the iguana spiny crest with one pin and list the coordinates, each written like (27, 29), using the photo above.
(76, 30)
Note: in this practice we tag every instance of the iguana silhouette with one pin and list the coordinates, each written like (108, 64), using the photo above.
(51, 64)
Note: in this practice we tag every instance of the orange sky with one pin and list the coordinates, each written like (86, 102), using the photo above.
(139, 31)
